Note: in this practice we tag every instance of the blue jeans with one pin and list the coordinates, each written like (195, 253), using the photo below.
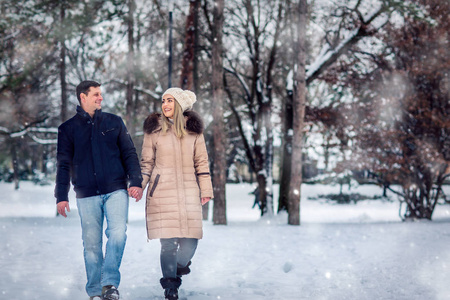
(103, 270)
(176, 251)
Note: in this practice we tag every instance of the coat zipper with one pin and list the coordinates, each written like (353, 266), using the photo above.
(154, 185)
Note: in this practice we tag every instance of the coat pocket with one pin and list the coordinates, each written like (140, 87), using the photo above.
(154, 185)
(108, 130)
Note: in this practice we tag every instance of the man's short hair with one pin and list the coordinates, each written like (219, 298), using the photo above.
(84, 87)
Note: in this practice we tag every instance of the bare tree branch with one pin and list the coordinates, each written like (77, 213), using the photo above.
(247, 147)
(330, 55)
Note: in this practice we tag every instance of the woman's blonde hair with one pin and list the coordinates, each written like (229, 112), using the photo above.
(179, 122)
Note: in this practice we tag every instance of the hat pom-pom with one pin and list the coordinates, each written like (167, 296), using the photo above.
(192, 97)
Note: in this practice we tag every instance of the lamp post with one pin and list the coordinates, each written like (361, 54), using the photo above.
(170, 49)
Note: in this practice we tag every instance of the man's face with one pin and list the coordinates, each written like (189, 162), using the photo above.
(92, 101)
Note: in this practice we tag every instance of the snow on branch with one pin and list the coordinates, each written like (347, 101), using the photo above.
(329, 55)
(19, 133)
(151, 93)
(10, 36)
(43, 129)
(28, 130)
(4, 130)
(241, 80)
(43, 141)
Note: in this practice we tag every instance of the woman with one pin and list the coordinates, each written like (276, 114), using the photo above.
(174, 164)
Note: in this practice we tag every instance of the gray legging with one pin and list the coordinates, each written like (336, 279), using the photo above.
(176, 251)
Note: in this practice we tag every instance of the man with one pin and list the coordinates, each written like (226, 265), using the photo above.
(96, 152)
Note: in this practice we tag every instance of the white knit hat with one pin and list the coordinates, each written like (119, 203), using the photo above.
(185, 98)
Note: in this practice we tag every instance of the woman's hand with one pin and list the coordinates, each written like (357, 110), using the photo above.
(205, 200)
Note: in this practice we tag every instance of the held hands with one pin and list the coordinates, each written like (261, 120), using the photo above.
(135, 192)
(205, 200)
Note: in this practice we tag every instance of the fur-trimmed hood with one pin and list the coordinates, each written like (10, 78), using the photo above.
(194, 122)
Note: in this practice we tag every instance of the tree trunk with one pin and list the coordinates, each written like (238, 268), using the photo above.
(197, 51)
(268, 160)
(130, 113)
(260, 156)
(267, 114)
(286, 157)
(15, 164)
(299, 114)
(419, 197)
(196, 81)
(170, 58)
(187, 71)
(62, 67)
(337, 52)
(220, 165)
(44, 168)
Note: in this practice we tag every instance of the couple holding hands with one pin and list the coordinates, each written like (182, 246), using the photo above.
(96, 153)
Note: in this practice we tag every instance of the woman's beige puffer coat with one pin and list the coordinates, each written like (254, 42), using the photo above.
(177, 173)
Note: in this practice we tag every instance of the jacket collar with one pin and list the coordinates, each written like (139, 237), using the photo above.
(194, 122)
(81, 112)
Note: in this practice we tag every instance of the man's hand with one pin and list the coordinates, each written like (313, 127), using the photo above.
(205, 200)
(135, 192)
(61, 207)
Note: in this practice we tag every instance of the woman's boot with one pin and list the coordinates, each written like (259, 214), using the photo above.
(170, 286)
(183, 270)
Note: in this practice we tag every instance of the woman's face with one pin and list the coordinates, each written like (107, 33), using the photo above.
(168, 105)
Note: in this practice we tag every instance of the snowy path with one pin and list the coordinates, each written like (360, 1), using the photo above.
(339, 252)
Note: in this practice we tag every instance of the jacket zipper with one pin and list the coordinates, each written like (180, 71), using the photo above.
(154, 185)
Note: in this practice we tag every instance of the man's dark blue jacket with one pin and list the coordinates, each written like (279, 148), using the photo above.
(97, 154)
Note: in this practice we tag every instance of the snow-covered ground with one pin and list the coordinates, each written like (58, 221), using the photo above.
(355, 251)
